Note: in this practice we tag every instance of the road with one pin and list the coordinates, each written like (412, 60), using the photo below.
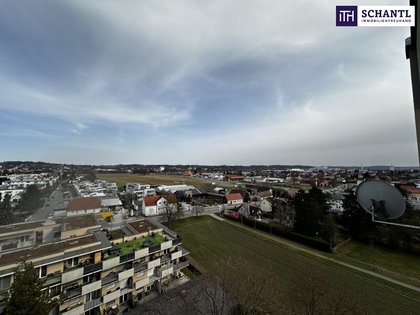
(56, 200)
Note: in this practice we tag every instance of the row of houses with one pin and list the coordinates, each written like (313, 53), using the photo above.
(14, 185)
(97, 188)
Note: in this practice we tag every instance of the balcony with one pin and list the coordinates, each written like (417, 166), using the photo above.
(165, 258)
(153, 263)
(91, 287)
(126, 290)
(52, 279)
(110, 263)
(76, 310)
(71, 275)
(92, 304)
(142, 283)
(72, 293)
(162, 272)
(177, 241)
(92, 268)
(125, 274)
(112, 296)
(181, 265)
(140, 267)
(112, 277)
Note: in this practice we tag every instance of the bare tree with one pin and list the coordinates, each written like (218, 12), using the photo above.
(173, 210)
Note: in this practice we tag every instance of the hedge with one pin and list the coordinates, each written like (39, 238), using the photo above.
(278, 231)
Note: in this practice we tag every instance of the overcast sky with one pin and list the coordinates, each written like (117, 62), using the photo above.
(204, 82)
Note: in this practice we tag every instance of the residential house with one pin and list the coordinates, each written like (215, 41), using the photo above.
(156, 205)
(84, 205)
(234, 199)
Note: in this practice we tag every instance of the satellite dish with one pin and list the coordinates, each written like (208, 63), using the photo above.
(380, 199)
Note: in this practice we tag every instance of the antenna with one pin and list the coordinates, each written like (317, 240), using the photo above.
(383, 201)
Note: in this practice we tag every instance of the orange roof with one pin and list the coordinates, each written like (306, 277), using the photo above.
(151, 200)
(411, 189)
(236, 196)
(84, 204)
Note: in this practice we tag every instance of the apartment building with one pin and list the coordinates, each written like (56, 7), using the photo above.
(89, 272)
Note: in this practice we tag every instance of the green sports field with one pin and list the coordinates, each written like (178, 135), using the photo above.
(211, 242)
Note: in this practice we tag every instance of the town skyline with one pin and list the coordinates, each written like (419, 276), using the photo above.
(211, 83)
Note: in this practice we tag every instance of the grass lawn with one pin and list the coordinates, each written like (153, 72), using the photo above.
(211, 241)
(397, 264)
(130, 246)
(160, 179)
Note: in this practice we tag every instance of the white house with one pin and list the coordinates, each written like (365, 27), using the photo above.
(234, 199)
(84, 205)
(155, 205)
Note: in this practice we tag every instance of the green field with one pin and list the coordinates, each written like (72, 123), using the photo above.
(396, 264)
(161, 179)
(211, 241)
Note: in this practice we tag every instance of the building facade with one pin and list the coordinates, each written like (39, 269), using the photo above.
(90, 273)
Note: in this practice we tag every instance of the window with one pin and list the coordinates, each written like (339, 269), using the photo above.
(55, 290)
(24, 238)
(72, 262)
(5, 282)
(123, 298)
(43, 271)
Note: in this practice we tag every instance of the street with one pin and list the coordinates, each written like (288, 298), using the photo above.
(55, 201)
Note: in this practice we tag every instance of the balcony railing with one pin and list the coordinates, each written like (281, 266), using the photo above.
(126, 257)
(74, 310)
(109, 279)
(181, 265)
(92, 268)
(177, 240)
(92, 304)
(165, 258)
(154, 248)
(72, 293)
(140, 267)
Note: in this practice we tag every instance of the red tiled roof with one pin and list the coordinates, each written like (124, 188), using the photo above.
(411, 189)
(151, 200)
(236, 196)
(84, 204)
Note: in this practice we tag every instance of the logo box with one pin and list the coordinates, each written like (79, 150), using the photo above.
(390, 15)
(346, 15)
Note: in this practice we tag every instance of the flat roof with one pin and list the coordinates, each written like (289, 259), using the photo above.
(20, 227)
(46, 249)
(78, 222)
(68, 223)
(142, 226)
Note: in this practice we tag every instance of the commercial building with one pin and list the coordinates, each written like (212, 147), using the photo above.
(89, 272)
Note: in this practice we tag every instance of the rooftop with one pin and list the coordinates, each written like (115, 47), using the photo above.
(142, 226)
(235, 196)
(84, 203)
(71, 223)
(47, 249)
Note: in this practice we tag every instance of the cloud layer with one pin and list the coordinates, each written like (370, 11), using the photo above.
(217, 82)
